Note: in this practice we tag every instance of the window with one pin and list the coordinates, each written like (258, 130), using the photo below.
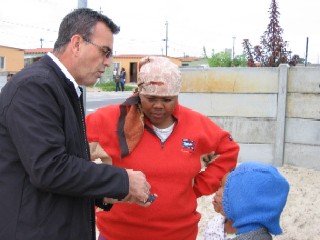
(1, 62)
(116, 65)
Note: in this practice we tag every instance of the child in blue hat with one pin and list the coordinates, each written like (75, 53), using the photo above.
(252, 198)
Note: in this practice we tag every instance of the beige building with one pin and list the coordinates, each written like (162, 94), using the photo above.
(11, 60)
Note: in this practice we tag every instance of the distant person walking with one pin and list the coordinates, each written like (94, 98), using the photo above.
(116, 79)
(9, 76)
(122, 78)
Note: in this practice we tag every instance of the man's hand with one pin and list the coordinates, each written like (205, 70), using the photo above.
(139, 189)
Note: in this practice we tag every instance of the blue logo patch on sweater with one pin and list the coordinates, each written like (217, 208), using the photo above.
(188, 145)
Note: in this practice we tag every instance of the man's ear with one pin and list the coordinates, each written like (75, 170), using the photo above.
(75, 43)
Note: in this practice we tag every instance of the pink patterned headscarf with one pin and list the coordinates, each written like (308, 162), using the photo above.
(158, 76)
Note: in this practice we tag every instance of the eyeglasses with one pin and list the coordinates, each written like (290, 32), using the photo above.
(105, 50)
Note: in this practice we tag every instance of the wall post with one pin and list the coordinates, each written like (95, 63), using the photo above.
(281, 115)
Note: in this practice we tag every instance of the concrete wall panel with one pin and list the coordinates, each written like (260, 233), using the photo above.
(256, 152)
(303, 105)
(248, 130)
(304, 80)
(237, 80)
(302, 131)
(302, 155)
(237, 105)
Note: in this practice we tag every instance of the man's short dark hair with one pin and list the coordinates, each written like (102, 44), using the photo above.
(81, 21)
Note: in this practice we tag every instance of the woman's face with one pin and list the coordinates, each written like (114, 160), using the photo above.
(217, 200)
(159, 109)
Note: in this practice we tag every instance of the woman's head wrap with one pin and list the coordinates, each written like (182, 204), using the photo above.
(158, 76)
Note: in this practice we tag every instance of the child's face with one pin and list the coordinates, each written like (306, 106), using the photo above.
(217, 200)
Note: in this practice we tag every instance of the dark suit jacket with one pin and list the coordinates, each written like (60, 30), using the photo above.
(47, 182)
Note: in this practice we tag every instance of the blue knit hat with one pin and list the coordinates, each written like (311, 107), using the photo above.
(254, 197)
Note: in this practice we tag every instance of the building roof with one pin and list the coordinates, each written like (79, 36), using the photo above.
(20, 49)
(37, 50)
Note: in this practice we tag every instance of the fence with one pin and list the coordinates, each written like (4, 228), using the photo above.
(273, 113)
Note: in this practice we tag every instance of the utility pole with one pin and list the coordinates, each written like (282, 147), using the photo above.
(166, 39)
(306, 60)
(83, 4)
(41, 40)
(234, 38)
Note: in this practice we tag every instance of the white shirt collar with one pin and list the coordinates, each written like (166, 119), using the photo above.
(66, 73)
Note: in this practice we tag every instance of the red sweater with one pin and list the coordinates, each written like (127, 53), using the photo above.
(172, 168)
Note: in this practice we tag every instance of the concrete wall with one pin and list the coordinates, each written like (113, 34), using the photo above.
(273, 113)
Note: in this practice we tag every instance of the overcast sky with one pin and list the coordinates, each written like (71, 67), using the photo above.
(192, 25)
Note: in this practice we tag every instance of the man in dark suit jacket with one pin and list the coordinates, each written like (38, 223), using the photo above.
(48, 185)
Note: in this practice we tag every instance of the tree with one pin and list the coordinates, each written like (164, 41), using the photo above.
(239, 61)
(223, 59)
(272, 51)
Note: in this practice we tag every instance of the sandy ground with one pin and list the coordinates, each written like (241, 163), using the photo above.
(301, 216)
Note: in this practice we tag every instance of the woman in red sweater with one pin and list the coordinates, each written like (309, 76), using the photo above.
(183, 154)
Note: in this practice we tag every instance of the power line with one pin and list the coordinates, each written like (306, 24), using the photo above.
(28, 26)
